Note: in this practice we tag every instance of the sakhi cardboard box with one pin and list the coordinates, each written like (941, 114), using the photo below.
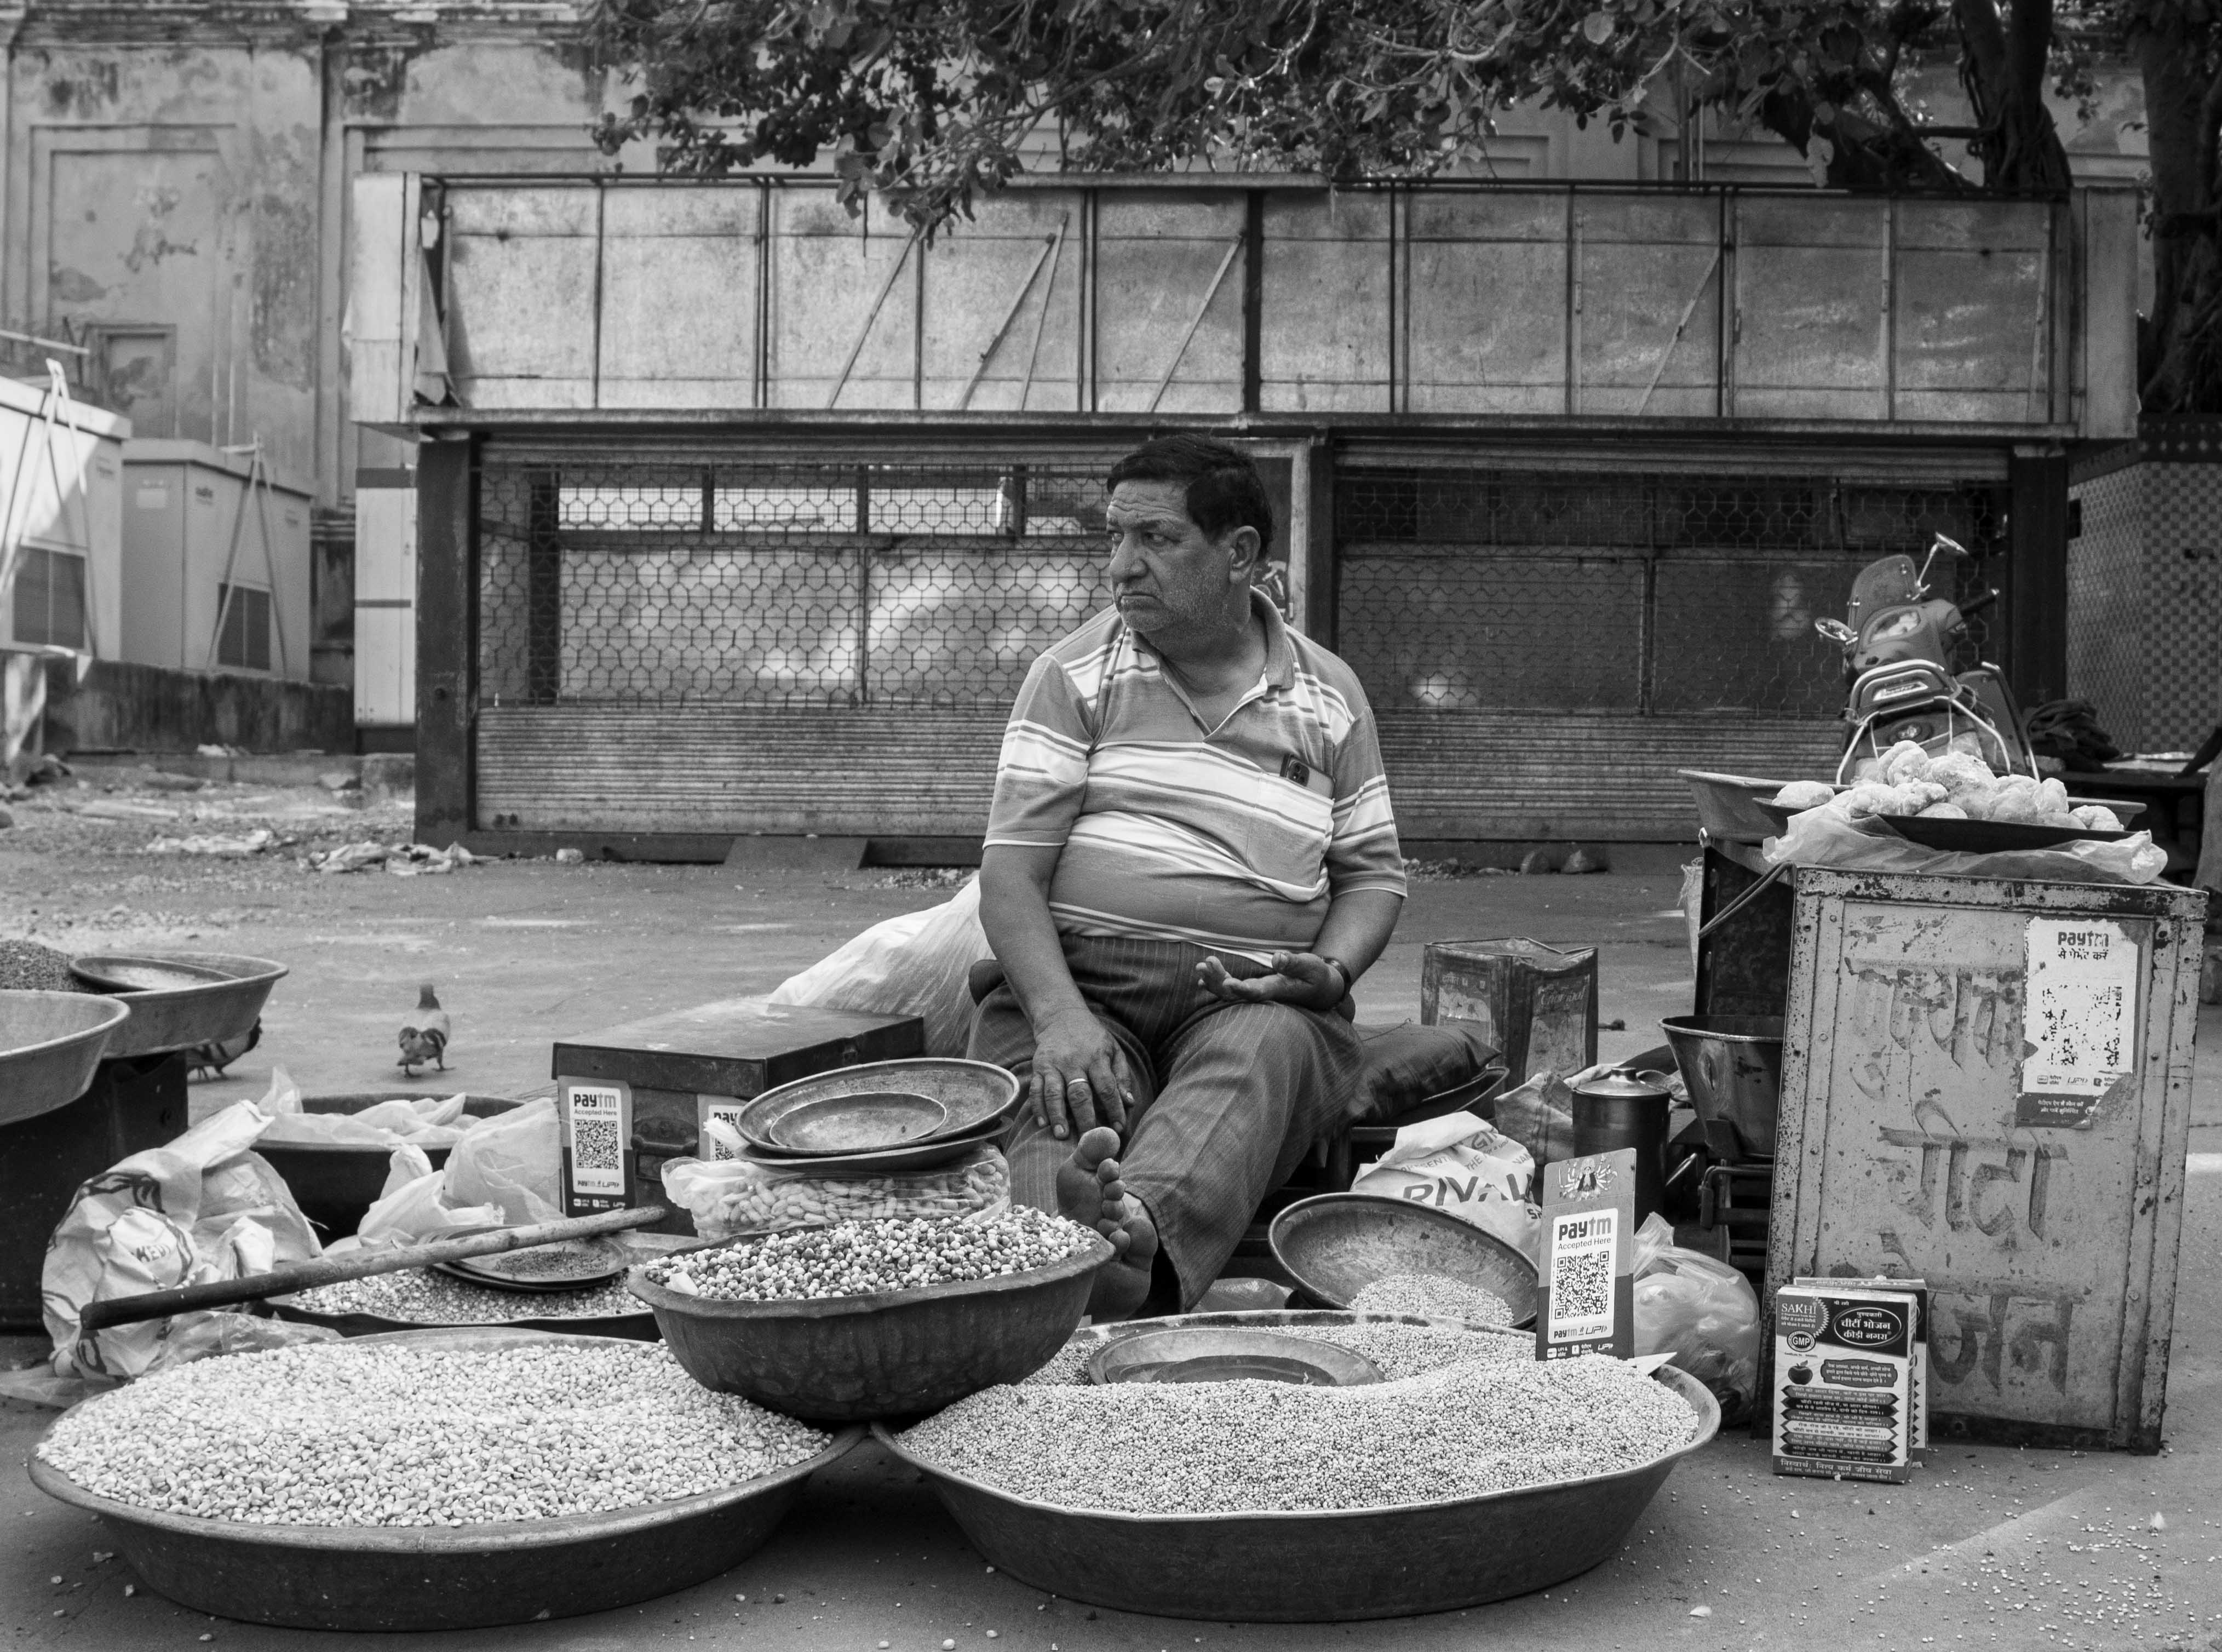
(1844, 1394)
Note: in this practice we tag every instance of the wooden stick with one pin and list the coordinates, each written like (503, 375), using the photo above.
(352, 1265)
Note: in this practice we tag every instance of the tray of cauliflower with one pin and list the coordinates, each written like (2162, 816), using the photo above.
(1951, 800)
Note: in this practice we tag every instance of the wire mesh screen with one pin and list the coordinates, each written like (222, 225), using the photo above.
(799, 583)
(1486, 590)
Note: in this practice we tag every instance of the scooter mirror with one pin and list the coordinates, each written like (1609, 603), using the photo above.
(1836, 631)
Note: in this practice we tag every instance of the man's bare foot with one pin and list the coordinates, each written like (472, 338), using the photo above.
(1089, 1191)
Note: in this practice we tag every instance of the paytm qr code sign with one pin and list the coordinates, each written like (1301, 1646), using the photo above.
(1586, 1302)
(597, 1124)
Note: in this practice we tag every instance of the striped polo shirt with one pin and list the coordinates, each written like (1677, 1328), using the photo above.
(1236, 838)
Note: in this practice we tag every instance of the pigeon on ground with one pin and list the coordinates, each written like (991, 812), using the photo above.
(426, 1038)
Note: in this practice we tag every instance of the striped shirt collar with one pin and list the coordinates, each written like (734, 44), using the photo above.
(1280, 670)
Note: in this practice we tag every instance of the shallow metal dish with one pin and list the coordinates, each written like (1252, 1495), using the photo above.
(1988, 837)
(630, 1327)
(1188, 1354)
(446, 1577)
(1728, 806)
(972, 1093)
(868, 1121)
(1334, 1245)
(181, 999)
(50, 1043)
(1316, 1567)
(599, 1261)
(891, 1353)
(916, 1155)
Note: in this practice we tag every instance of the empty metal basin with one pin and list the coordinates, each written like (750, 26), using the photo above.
(219, 999)
(50, 1042)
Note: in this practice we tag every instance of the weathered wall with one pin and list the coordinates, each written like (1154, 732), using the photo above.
(175, 181)
(118, 706)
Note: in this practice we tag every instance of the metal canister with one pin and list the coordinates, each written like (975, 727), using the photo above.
(1621, 1108)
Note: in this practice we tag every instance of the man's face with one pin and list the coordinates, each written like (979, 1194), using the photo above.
(1166, 573)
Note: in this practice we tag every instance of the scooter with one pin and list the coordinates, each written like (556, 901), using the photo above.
(1898, 642)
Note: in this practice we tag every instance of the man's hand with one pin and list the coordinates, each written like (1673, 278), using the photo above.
(1304, 979)
(1080, 1076)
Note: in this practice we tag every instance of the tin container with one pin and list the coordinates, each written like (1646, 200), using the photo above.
(1537, 1005)
(1627, 1110)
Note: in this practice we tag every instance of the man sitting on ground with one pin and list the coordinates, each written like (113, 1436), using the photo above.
(1190, 859)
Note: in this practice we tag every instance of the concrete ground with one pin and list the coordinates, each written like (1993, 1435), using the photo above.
(1988, 1547)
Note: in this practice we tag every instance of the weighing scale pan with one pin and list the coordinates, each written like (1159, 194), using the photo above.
(446, 1577)
(915, 1155)
(50, 1045)
(872, 1121)
(1333, 1245)
(974, 1094)
(575, 1264)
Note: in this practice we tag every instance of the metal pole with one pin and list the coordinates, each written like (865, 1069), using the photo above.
(1195, 321)
(865, 332)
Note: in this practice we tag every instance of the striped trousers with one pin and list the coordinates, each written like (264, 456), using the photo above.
(1228, 1098)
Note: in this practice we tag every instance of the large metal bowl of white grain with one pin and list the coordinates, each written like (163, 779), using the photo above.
(829, 1359)
(1315, 1566)
(446, 1577)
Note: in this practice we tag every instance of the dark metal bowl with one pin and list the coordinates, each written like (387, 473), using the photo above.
(335, 1182)
(50, 1043)
(216, 996)
(1316, 1567)
(1336, 1244)
(446, 1577)
(971, 1094)
(893, 1354)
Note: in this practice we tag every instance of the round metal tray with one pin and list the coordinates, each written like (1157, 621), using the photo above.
(631, 1327)
(1192, 1354)
(972, 1093)
(1315, 1567)
(50, 1043)
(217, 996)
(445, 1577)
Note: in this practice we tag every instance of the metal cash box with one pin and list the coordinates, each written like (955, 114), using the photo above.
(1986, 1082)
(630, 1097)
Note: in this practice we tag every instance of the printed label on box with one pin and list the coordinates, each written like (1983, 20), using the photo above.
(597, 1134)
(1843, 1381)
(1586, 1304)
(727, 1110)
(2079, 1019)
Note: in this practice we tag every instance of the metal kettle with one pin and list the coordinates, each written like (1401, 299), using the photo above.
(1621, 1108)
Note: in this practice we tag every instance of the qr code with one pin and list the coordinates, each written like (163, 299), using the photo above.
(1581, 1284)
(594, 1144)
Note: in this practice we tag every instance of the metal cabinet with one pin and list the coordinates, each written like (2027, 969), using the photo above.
(1986, 1084)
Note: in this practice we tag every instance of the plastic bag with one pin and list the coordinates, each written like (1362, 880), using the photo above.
(514, 1161)
(413, 1207)
(730, 1197)
(1539, 1116)
(1700, 1310)
(199, 1208)
(428, 1121)
(1824, 837)
(1466, 1167)
(914, 965)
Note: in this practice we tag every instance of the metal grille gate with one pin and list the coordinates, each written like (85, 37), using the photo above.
(720, 644)
(1672, 614)
(773, 645)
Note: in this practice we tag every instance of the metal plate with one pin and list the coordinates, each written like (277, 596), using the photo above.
(1224, 1353)
(573, 1264)
(1988, 837)
(974, 1093)
(917, 1155)
(446, 1577)
(120, 973)
(871, 1121)
(1336, 1244)
(50, 1044)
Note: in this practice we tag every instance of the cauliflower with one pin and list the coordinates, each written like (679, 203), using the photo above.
(2016, 801)
(1943, 812)
(1960, 771)
(2096, 817)
(1802, 794)
(1902, 762)
(1912, 798)
(2052, 797)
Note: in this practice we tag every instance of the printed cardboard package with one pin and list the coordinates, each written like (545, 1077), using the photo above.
(1843, 1400)
(1918, 1291)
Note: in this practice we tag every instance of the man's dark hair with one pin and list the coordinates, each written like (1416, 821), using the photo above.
(1224, 488)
